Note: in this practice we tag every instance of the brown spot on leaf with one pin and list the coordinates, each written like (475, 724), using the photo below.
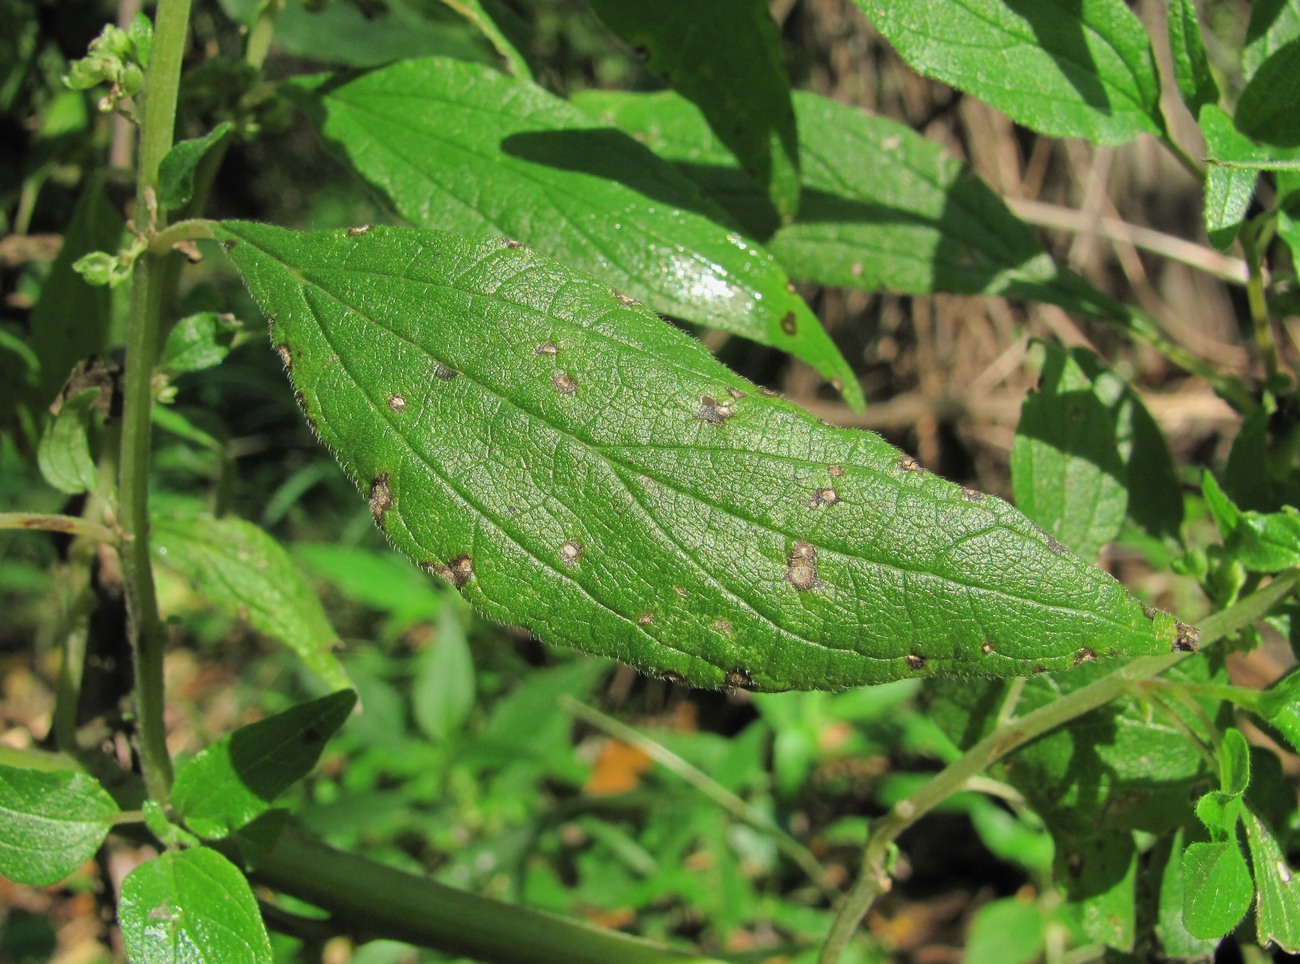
(835, 471)
(458, 572)
(397, 402)
(546, 348)
(645, 619)
(358, 230)
(739, 679)
(1056, 548)
(909, 464)
(824, 496)
(801, 567)
(915, 662)
(768, 393)
(735, 393)
(789, 324)
(381, 497)
(625, 300)
(668, 676)
(1038, 670)
(986, 648)
(723, 626)
(1084, 655)
(512, 243)
(286, 357)
(571, 552)
(445, 372)
(1186, 638)
(680, 591)
(564, 384)
(971, 495)
(712, 411)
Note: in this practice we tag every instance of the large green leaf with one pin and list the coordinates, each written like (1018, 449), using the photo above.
(576, 466)
(1273, 24)
(191, 905)
(1269, 108)
(1067, 68)
(242, 570)
(460, 147)
(740, 85)
(883, 207)
(50, 823)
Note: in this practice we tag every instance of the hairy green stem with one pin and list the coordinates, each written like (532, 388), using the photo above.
(1258, 302)
(1011, 735)
(157, 126)
(370, 900)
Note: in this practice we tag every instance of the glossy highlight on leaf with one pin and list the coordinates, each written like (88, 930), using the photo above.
(663, 511)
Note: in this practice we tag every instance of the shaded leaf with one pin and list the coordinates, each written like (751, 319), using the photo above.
(1234, 762)
(245, 572)
(1273, 24)
(237, 778)
(176, 170)
(1261, 541)
(1280, 706)
(1277, 913)
(1269, 108)
(1218, 888)
(199, 341)
(740, 85)
(1228, 190)
(1064, 68)
(882, 206)
(51, 822)
(63, 453)
(1066, 469)
(1100, 876)
(598, 477)
(191, 905)
(1176, 941)
(503, 29)
(455, 145)
(1191, 65)
(1007, 931)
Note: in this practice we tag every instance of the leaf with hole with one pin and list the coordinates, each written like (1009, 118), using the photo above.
(573, 465)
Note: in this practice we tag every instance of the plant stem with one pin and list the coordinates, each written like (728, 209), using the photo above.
(1006, 738)
(144, 628)
(371, 900)
(67, 524)
(1258, 302)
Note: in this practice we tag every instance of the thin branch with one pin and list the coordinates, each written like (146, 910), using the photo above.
(67, 524)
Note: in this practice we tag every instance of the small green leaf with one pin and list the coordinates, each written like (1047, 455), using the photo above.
(176, 171)
(1269, 108)
(1234, 763)
(1277, 914)
(457, 146)
(1066, 469)
(1220, 812)
(245, 572)
(442, 693)
(574, 465)
(1280, 706)
(1063, 68)
(238, 778)
(191, 905)
(740, 85)
(1260, 541)
(1007, 931)
(1217, 886)
(1191, 65)
(1228, 190)
(64, 450)
(51, 822)
(1176, 942)
(198, 342)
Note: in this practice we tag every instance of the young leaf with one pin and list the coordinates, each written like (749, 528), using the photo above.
(1234, 763)
(1269, 108)
(1277, 914)
(1007, 931)
(1280, 706)
(1228, 190)
(740, 85)
(63, 453)
(1191, 65)
(1218, 888)
(238, 778)
(1261, 541)
(198, 341)
(882, 206)
(51, 822)
(1066, 468)
(1176, 942)
(245, 572)
(191, 905)
(576, 466)
(442, 693)
(176, 171)
(455, 145)
(1065, 69)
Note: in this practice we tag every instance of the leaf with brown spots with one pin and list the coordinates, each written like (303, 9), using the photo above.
(665, 512)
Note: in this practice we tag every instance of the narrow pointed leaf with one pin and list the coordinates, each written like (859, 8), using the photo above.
(882, 206)
(191, 905)
(1064, 68)
(242, 570)
(458, 146)
(1191, 64)
(238, 778)
(740, 85)
(50, 823)
(578, 467)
